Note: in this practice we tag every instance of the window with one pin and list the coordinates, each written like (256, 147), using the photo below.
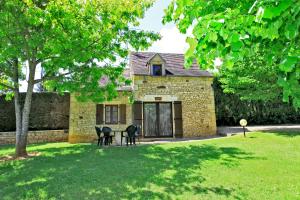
(157, 70)
(111, 114)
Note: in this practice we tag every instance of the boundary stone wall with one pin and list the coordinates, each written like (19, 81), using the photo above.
(49, 111)
(36, 136)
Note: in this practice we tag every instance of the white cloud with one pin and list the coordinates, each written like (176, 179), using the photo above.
(172, 41)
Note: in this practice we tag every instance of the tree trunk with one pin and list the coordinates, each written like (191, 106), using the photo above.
(22, 116)
(20, 146)
(20, 149)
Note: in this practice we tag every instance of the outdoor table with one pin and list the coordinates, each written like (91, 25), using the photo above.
(118, 135)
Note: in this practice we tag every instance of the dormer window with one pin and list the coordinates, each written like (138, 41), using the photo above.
(156, 65)
(157, 70)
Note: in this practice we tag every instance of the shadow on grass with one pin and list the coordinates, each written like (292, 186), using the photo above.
(285, 133)
(143, 172)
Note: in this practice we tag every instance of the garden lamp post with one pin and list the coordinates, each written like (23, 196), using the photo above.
(243, 123)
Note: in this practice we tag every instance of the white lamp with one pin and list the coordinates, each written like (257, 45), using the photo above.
(243, 123)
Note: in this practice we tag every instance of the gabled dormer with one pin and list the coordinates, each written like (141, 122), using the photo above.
(156, 65)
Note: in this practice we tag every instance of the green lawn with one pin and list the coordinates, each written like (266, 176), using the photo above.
(261, 166)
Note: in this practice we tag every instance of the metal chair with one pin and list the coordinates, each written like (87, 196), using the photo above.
(130, 134)
(100, 135)
(138, 132)
(107, 135)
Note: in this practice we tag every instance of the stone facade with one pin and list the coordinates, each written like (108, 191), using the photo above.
(156, 78)
(196, 95)
(36, 136)
(83, 119)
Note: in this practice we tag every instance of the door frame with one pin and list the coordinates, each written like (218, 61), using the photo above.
(157, 114)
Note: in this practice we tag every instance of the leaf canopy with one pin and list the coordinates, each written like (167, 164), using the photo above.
(76, 42)
(235, 31)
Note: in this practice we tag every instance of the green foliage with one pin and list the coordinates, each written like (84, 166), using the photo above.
(76, 42)
(250, 81)
(254, 107)
(239, 30)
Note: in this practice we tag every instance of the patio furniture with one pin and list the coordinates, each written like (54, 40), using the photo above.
(129, 134)
(119, 134)
(100, 135)
(124, 134)
(138, 132)
(107, 135)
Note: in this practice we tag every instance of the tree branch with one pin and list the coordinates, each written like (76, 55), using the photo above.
(5, 70)
(48, 77)
(7, 86)
(47, 58)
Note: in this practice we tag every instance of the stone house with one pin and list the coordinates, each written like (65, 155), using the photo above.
(169, 101)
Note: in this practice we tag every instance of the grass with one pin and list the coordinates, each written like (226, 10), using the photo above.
(261, 166)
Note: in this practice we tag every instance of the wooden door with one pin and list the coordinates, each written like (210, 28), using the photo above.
(178, 119)
(137, 109)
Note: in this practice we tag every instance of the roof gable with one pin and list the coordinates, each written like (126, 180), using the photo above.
(156, 55)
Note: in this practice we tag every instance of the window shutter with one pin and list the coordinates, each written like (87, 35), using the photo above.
(123, 114)
(178, 119)
(137, 113)
(99, 114)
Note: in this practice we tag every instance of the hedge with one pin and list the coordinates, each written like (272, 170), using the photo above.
(230, 109)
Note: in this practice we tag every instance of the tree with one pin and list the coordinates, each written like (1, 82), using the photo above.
(250, 81)
(236, 31)
(76, 42)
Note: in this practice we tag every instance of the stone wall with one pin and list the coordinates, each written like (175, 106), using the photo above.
(196, 94)
(49, 111)
(83, 119)
(36, 136)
